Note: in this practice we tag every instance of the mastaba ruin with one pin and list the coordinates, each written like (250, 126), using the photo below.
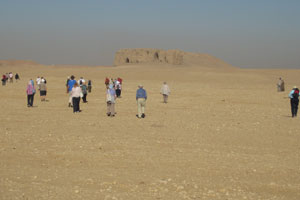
(172, 57)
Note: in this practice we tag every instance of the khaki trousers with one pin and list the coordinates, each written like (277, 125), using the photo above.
(165, 98)
(141, 102)
(70, 98)
(111, 108)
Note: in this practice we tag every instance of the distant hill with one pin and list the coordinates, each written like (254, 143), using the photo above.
(17, 62)
(173, 57)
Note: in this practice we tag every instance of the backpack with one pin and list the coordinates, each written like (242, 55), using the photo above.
(295, 94)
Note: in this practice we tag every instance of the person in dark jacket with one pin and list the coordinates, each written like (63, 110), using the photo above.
(294, 96)
(17, 77)
(90, 86)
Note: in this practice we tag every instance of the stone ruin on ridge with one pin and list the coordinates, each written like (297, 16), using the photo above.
(125, 56)
(172, 57)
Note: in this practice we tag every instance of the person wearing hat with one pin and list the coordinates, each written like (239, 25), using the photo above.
(294, 96)
(141, 97)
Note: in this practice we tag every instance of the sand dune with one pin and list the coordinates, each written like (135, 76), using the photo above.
(225, 134)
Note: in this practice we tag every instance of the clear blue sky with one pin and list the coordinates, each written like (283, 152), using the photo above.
(245, 33)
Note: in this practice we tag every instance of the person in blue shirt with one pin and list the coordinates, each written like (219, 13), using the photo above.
(70, 86)
(294, 96)
(141, 97)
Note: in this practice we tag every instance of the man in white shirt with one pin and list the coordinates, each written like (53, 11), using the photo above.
(165, 91)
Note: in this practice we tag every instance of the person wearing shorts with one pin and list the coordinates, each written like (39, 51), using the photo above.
(43, 90)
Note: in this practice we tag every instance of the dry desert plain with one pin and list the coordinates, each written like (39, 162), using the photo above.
(226, 133)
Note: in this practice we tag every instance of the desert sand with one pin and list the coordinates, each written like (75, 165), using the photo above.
(226, 133)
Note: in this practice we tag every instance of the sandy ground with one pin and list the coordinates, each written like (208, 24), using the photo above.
(225, 134)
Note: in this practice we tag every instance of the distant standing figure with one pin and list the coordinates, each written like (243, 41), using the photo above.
(43, 90)
(76, 93)
(110, 100)
(3, 80)
(280, 85)
(30, 94)
(294, 96)
(17, 77)
(11, 77)
(118, 87)
(165, 91)
(141, 97)
(90, 86)
(71, 83)
(84, 92)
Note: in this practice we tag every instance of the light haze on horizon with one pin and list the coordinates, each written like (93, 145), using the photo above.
(244, 33)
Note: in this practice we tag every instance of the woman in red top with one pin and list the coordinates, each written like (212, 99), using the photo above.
(3, 80)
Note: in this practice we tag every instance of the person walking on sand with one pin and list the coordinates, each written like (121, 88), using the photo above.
(71, 83)
(76, 94)
(11, 77)
(17, 77)
(118, 87)
(30, 91)
(84, 92)
(110, 100)
(165, 91)
(67, 83)
(43, 90)
(90, 86)
(280, 85)
(141, 97)
(3, 80)
(294, 96)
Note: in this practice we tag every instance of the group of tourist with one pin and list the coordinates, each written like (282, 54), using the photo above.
(113, 91)
(9, 77)
(31, 90)
(116, 83)
(77, 90)
(141, 97)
